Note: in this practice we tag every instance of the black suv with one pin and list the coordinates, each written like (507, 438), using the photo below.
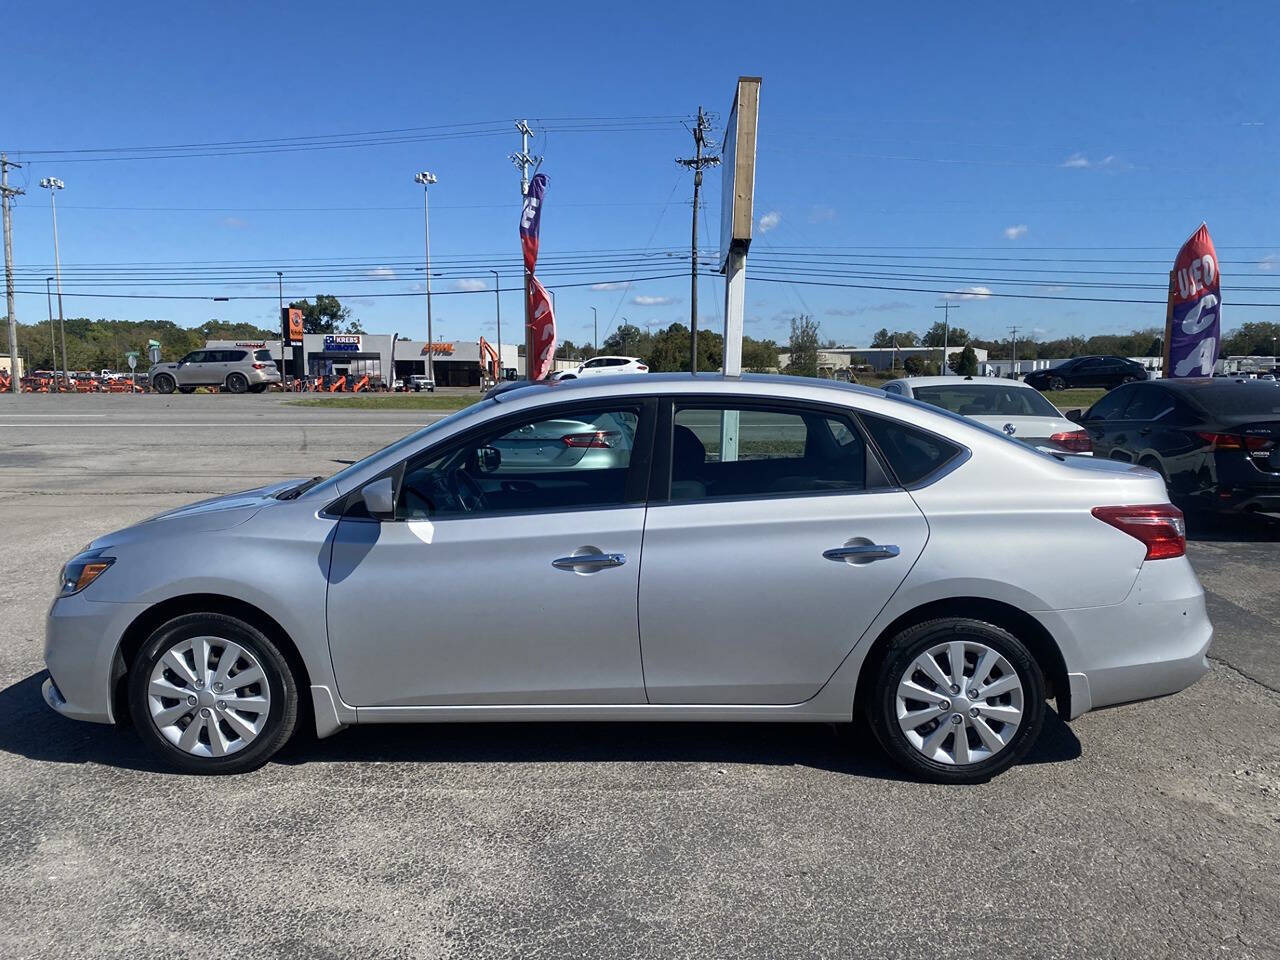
(1105, 372)
(1216, 442)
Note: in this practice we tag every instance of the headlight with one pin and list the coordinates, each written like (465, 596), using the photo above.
(81, 570)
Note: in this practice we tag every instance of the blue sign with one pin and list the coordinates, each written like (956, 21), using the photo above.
(342, 343)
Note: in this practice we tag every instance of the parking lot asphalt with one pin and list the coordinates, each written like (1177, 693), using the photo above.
(1148, 830)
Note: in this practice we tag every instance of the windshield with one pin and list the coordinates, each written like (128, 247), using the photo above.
(987, 399)
(334, 483)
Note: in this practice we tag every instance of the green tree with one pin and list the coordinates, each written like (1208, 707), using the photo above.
(964, 363)
(956, 336)
(327, 315)
(1253, 339)
(803, 347)
(902, 338)
(913, 366)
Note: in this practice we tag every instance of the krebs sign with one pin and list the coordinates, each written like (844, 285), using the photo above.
(342, 343)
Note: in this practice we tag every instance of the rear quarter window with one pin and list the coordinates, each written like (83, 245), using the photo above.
(913, 454)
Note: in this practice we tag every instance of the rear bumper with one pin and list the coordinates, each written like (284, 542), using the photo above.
(1153, 643)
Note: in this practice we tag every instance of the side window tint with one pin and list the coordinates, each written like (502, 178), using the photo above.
(1152, 403)
(577, 460)
(913, 454)
(1111, 406)
(776, 452)
(262, 356)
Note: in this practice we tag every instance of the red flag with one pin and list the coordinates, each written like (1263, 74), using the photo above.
(542, 325)
(1193, 320)
(531, 220)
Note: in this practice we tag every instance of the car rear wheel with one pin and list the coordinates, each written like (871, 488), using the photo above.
(957, 700)
(163, 383)
(186, 390)
(212, 694)
(258, 388)
(237, 383)
(1057, 383)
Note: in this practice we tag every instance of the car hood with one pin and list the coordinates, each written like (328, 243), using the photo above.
(216, 513)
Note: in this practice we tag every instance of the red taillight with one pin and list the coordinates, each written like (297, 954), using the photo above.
(259, 366)
(1233, 441)
(1160, 526)
(1077, 441)
(601, 438)
(642, 368)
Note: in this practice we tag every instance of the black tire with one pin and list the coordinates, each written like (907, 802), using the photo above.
(163, 383)
(186, 389)
(282, 713)
(881, 708)
(258, 388)
(1057, 383)
(237, 383)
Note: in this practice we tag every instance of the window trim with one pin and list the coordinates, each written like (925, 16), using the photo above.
(635, 491)
(878, 480)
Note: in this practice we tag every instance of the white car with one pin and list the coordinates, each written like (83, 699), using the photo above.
(606, 365)
(1010, 406)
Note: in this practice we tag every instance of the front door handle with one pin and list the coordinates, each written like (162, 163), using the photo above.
(862, 552)
(590, 561)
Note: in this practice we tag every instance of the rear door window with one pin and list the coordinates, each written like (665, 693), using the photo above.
(737, 451)
(1111, 406)
(1153, 403)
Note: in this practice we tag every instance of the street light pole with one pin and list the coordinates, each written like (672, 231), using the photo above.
(53, 185)
(53, 340)
(426, 179)
(946, 309)
(284, 330)
(595, 330)
(497, 307)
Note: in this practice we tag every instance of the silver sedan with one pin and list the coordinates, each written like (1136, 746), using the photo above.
(766, 549)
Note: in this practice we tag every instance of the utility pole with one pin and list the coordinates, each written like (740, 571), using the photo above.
(285, 340)
(1013, 371)
(946, 309)
(623, 328)
(522, 160)
(497, 307)
(696, 163)
(426, 179)
(7, 193)
(595, 332)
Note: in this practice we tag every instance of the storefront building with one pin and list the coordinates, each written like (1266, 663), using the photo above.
(382, 357)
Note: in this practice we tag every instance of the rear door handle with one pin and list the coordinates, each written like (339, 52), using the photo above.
(862, 552)
(590, 561)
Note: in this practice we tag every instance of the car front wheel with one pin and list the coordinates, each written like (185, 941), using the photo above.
(1057, 383)
(212, 694)
(957, 700)
(164, 383)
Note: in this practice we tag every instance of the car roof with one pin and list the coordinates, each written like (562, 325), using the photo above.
(760, 384)
(941, 381)
(610, 356)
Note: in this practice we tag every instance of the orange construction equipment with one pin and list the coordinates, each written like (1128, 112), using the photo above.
(339, 384)
(361, 384)
(492, 370)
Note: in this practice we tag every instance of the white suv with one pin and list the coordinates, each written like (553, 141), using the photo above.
(599, 365)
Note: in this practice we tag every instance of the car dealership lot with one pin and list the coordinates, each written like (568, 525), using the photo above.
(1148, 830)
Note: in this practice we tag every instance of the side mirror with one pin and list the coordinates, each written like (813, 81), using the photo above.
(380, 498)
(488, 459)
(1075, 416)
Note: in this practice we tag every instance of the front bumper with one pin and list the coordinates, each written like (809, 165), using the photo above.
(80, 643)
(1153, 643)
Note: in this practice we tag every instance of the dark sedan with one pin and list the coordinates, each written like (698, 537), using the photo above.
(1216, 442)
(1106, 372)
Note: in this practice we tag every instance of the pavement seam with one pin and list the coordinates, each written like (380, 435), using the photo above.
(1236, 670)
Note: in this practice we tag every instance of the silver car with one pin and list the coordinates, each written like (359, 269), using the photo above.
(239, 370)
(768, 548)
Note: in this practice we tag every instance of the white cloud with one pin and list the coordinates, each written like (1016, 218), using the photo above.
(1080, 161)
(821, 214)
(234, 222)
(770, 220)
(380, 272)
(612, 285)
(1269, 263)
(842, 312)
(968, 293)
(647, 301)
(470, 284)
(1016, 231)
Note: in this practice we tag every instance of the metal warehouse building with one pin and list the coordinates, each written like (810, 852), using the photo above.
(382, 357)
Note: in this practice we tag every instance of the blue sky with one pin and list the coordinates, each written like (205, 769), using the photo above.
(1015, 130)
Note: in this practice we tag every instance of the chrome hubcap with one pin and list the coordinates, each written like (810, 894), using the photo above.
(959, 702)
(209, 696)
